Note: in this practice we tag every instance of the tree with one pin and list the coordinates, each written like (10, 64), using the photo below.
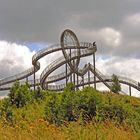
(116, 86)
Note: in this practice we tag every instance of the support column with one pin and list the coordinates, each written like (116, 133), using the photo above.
(46, 85)
(71, 78)
(89, 78)
(83, 81)
(70, 68)
(74, 75)
(34, 78)
(94, 70)
(77, 81)
(66, 74)
(130, 90)
(26, 79)
(74, 78)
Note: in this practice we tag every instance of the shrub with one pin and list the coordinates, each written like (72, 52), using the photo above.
(70, 87)
(6, 112)
(70, 105)
(39, 94)
(113, 112)
(19, 95)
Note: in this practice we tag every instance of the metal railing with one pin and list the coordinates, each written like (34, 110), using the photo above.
(85, 50)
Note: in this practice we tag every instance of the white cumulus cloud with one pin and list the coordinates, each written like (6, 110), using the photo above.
(110, 36)
(14, 58)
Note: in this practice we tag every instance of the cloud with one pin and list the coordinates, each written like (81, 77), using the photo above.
(121, 66)
(110, 23)
(133, 20)
(130, 27)
(110, 36)
(14, 58)
(43, 20)
(130, 33)
(107, 39)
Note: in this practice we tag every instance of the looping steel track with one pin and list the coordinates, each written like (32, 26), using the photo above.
(72, 50)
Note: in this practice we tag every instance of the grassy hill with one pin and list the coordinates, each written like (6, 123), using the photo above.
(70, 115)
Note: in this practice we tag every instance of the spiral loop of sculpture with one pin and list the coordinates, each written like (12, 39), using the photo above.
(68, 38)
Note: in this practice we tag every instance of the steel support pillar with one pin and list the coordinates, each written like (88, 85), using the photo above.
(66, 74)
(94, 70)
(74, 78)
(89, 78)
(46, 86)
(71, 78)
(77, 81)
(130, 90)
(83, 81)
(26, 79)
(70, 68)
(34, 78)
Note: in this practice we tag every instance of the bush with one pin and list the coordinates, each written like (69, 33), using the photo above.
(19, 95)
(39, 94)
(59, 107)
(6, 112)
(70, 105)
(113, 112)
(69, 88)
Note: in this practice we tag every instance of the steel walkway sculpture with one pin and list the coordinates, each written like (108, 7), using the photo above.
(73, 51)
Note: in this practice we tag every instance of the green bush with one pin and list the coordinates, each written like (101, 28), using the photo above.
(89, 104)
(6, 111)
(70, 105)
(19, 95)
(39, 94)
(113, 112)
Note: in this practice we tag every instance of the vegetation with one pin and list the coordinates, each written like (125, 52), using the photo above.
(19, 95)
(84, 114)
(116, 86)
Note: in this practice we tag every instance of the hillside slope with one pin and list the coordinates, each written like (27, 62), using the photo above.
(86, 114)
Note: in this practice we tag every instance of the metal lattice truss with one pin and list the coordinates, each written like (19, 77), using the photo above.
(73, 51)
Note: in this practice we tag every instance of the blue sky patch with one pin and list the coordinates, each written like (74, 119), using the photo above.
(36, 46)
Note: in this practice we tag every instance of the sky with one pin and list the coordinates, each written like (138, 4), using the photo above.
(30, 25)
